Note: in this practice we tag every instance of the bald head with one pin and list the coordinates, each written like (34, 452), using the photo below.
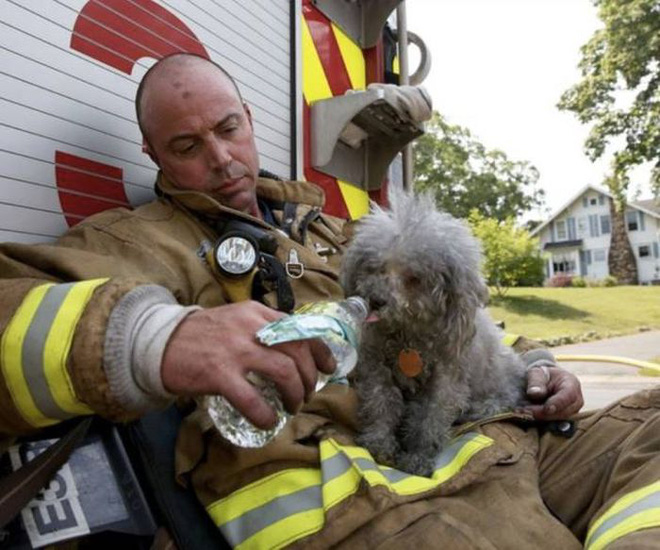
(168, 75)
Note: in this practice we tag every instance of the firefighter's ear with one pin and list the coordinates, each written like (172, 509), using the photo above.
(146, 148)
(248, 113)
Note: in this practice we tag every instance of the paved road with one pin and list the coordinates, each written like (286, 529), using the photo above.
(603, 383)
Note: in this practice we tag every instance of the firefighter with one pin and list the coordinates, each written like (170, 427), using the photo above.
(131, 309)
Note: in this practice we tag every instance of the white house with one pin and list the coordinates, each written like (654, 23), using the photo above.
(576, 239)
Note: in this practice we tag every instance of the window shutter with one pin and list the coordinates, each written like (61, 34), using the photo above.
(641, 221)
(585, 202)
(601, 199)
(655, 250)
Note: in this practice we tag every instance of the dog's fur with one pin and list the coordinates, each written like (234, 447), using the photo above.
(420, 271)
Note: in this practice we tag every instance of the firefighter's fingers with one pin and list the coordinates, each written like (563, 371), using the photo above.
(285, 372)
(249, 401)
(538, 379)
(301, 354)
(323, 358)
(565, 396)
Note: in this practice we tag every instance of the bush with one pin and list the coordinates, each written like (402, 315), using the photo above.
(511, 255)
(559, 280)
(579, 282)
(610, 280)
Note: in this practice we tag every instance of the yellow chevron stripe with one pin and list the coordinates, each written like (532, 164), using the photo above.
(353, 59)
(315, 83)
(11, 357)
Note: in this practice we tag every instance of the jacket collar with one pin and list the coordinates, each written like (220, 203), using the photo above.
(268, 189)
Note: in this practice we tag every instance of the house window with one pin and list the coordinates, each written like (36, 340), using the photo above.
(562, 264)
(599, 255)
(593, 201)
(644, 251)
(582, 227)
(605, 224)
(631, 220)
(561, 230)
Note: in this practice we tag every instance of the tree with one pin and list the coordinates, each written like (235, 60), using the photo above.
(511, 256)
(463, 175)
(624, 55)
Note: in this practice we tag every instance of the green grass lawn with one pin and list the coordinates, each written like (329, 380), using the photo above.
(549, 313)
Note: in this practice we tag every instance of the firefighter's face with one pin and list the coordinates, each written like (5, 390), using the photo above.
(201, 135)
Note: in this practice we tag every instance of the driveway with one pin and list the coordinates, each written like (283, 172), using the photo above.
(603, 383)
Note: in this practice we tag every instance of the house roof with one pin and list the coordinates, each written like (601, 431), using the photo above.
(650, 207)
(651, 204)
(563, 244)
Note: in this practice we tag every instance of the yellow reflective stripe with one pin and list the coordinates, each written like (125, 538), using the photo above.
(637, 510)
(315, 83)
(340, 486)
(11, 356)
(286, 531)
(353, 59)
(291, 504)
(510, 339)
(58, 346)
(261, 492)
(643, 520)
(357, 200)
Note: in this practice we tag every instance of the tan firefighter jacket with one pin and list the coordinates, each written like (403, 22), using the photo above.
(55, 299)
(311, 486)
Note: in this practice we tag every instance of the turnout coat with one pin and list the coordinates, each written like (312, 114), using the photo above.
(502, 483)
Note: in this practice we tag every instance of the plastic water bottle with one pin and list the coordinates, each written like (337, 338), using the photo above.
(337, 324)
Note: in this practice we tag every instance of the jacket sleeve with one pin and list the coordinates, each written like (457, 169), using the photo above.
(51, 348)
(55, 302)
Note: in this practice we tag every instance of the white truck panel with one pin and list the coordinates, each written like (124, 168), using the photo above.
(57, 100)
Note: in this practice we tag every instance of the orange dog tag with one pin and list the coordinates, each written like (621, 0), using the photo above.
(410, 362)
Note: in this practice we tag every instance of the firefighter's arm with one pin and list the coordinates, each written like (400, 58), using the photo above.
(556, 392)
(51, 350)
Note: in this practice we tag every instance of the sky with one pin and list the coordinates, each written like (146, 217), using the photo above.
(499, 68)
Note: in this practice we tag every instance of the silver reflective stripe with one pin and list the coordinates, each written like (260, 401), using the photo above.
(647, 503)
(449, 453)
(243, 527)
(33, 352)
(334, 467)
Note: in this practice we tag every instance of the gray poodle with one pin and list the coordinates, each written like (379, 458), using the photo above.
(434, 356)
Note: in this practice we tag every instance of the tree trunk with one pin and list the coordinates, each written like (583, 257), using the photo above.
(621, 259)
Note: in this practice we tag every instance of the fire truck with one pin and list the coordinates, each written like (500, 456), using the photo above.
(70, 147)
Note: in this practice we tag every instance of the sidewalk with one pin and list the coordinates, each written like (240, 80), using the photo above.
(603, 383)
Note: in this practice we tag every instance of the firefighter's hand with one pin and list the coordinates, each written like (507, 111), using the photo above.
(556, 391)
(212, 351)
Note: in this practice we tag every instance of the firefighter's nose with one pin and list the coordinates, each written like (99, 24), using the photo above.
(219, 154)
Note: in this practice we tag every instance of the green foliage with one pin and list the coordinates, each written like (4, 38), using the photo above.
(463, 175)
(511, 255)
(624, 55)
(610, 281)
(579, 282)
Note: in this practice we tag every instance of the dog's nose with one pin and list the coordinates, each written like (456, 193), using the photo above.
(376, 303)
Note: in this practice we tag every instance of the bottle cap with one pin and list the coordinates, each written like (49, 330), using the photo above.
(360, 304)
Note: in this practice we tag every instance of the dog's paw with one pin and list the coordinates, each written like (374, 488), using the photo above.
(414, 463)
(382, 449)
